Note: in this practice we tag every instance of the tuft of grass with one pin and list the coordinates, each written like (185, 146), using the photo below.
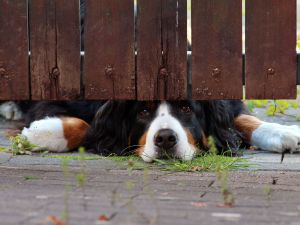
(81, 176)
(280, 107)
(251, 104)
(205, 163)
(20, 146)
(273, 107)
(74, 157)
(267, 190)
(222, 176)
(67, 187)
(208, 162)
(31, 178)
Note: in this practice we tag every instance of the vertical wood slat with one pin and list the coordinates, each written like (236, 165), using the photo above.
(217, 49)
(14, 82)
(271, 49)
(55, 49)
(109, 49)
(162, 45)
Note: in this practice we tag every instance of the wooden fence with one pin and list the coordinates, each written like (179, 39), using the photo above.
(145, 57)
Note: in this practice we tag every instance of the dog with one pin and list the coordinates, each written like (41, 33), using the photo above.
(153, 129)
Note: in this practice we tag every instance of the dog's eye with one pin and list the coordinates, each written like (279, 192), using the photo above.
(144, 113)
(186, 109)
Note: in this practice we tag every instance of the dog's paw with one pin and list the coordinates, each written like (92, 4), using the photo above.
(276, 138)
(10, 111)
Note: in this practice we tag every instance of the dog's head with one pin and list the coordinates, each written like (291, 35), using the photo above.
(159, 129)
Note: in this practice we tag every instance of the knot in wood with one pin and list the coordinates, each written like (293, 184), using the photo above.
(163, 72)
(271, 71)
(2, 72)
(109, 70)
(55, 73)
(216, 72)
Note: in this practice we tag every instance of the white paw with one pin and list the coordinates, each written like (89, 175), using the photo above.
(10, 111)
(47, 133)
(277, 138)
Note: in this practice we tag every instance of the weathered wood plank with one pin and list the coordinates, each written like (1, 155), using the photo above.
(271, 49)
(149, 56)
(55, 49)
(162, 45)
(109, 49)
(14, 82)
(217, 49)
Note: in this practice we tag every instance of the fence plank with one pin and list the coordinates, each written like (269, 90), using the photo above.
(217, 49)
(14, 82)
(109, 49)
(271, 49)
(162, 45)
(55, 49)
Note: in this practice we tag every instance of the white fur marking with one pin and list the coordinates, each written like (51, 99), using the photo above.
(10, 111)
(47, 133)
(183, 149)
(275, 137)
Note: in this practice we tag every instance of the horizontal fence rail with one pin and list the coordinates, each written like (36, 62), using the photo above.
(127, 49)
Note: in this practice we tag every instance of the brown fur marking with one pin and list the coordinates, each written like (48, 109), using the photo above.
(247, 124)
(139, 151)
(191, 139)
(204, 139)
(74, 131)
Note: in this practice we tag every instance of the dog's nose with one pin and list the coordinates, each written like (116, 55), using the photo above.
(165, 139)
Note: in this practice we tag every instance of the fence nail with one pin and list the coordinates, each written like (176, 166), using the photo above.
(55, 73)
(216, 72)
(2, 71)
(271, 71)
(5, 75)
(109, 70)
(163, 72)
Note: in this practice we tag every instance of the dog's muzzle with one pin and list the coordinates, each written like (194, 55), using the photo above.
(165, 139)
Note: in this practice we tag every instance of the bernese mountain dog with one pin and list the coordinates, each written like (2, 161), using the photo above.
(153, 129)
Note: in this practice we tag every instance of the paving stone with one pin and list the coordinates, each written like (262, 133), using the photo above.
(34, 187)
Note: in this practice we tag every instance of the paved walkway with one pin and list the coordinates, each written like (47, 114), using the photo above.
(34, 187)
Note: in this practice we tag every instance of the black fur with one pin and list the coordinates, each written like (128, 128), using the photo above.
(117, 125)
(80, 109)
(110, 129)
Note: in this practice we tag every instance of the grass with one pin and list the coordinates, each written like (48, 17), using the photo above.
(81, 176)
(19, 146)
(74, 157)
(67, 187)
(268, 192)
(208, 162)
(31, 178)
(273, 107)
(205, 163)
(222, 176)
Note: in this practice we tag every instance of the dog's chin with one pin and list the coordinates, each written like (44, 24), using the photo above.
(186, 154)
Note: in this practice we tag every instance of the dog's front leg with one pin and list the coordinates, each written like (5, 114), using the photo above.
(268, 136)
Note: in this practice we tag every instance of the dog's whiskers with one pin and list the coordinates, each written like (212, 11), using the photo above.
(131, 146)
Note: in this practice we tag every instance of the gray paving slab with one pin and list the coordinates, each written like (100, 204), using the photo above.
(272, 161)
(34, 187)
(30, 196)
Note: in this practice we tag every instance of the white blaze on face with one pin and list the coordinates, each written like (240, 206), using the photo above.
(164, 120)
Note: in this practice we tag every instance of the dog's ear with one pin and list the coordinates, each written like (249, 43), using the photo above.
(219, 124)
(109, 130)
